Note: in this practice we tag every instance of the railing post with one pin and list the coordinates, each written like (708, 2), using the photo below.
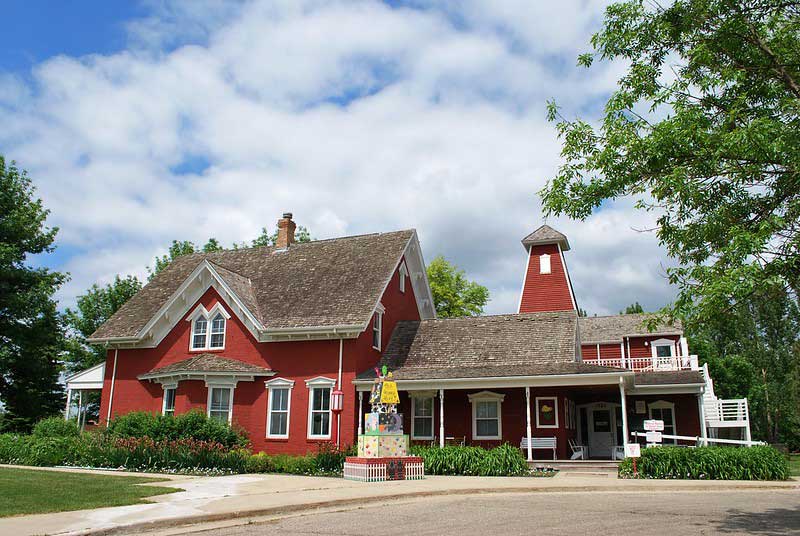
(701, 409)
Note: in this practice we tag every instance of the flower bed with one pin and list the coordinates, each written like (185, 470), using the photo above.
(709, 463)
(505, 460)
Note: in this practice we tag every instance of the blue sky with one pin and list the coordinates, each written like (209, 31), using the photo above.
(145, 122)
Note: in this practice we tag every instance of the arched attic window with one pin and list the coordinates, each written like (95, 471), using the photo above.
(205, 337)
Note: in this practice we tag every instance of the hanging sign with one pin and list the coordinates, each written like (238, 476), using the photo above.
(653, 437)
(654, 425)
(389, 393)
(633, 450)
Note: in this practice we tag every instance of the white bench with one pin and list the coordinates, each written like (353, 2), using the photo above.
(548, 443)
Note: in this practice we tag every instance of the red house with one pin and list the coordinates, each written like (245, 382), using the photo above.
(262, 337)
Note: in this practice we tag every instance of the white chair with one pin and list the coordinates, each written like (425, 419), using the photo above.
(579, 452)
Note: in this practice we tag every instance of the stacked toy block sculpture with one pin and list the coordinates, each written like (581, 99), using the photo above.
(383, 447)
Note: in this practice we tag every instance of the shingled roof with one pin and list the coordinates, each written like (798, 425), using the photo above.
(599, 329)
(322, 283)
(669, 377)
(485, 346)
(205, 363)
(546, 235)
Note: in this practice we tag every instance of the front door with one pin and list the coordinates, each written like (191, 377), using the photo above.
(601, 430)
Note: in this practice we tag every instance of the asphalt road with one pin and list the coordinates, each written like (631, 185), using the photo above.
(562, 514)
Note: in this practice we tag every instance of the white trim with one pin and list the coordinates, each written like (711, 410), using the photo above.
(529, 250)
(403, 274)
(555, 408)
(432, 417)
(284, 385)
(566, 274)
(88, 379)
(209, 315)
(320, 382)
(500, 382)
(487, 396)
(111, 393)
(545, 266)
(377, 326)
(654, 345)
(221, 385)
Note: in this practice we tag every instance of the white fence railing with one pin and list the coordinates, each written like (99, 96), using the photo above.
(731, 410)
(678, 362)
(700, 441)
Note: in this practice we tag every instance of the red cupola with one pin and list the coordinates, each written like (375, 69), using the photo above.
(546, 286)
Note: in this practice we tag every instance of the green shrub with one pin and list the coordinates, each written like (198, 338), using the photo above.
(709, 463)
(505, 460)
(191, 425)
(295, 465)
(330, 458)
(56, 427)
(260, 463)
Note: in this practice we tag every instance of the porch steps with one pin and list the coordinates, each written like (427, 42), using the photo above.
(578, 466)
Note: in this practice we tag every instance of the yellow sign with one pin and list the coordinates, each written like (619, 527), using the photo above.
(389, 393)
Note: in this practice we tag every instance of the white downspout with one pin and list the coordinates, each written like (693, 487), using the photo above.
(339, 387)
(111, 391)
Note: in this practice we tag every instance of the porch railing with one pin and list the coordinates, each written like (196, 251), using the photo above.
(726, 411)
(643, 364)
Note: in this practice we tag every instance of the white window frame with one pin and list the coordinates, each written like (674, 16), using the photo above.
(403, 273)
(230, 388)
(654, 345)
(545, 266)
(487, 396)
(423, 396)
(279, 384)
(211, 331)
(167, 387)
(662, 405)
(209, 315)
(377, 327)
(554, 400)
(320, 382)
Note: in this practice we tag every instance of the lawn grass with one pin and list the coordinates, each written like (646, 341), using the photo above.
(794, 464)
(28, 491)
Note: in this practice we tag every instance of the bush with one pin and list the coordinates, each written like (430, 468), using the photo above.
(56, 427)
(260, 463)
(709, 463)
(505, 460)
(191, 425)
(330, 458)
(295, 465)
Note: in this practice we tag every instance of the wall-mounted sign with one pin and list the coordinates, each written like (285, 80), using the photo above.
(654, 425)
(641, 407)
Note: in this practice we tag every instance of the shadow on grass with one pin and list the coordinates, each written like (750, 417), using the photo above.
(776, 521)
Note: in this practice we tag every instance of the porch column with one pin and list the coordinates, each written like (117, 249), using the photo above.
(702, 413)
(358, 413)
(66, 409)
(528, 422)
(80, 406)
(441, 418)
(624, 409)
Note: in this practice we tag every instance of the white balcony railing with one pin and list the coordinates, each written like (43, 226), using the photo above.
(726, 412)
(643, 364)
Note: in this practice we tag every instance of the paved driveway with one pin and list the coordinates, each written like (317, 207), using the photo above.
(675, 513)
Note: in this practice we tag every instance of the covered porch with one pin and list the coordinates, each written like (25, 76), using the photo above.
(585, 416)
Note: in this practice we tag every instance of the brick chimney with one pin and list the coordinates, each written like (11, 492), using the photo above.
(286, 229)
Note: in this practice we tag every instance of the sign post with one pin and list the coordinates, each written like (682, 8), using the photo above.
(633, 450)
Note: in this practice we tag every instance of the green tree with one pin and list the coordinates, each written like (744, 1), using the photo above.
(301, 235)
(753, 352)
(633, 308)
(703, 130)
(453, 294)
(31, 331)
(93, 308)
(177, 249)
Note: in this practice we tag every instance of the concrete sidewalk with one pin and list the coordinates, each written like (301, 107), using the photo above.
(210, 499)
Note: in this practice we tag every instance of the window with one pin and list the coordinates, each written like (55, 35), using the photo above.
(205, 337)
(486, 415)
(377, 324)
(217, 332)
(169, 401)
(664, 411)
(403, 273)
(199, 333)
(544, 264)
(422, 417)
(278, 408)
(546, 412)
(319, 407)
(220, 403)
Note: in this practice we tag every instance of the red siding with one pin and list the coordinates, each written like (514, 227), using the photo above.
(607, 351)
(294, 360)
(639, 349)
(545, 292)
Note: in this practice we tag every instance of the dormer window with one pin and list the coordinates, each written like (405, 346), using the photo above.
(377, 328)
(544, 264)
(205, 337)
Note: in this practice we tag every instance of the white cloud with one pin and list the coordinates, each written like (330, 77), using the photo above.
(356, 116)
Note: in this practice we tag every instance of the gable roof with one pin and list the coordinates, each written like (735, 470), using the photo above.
(546, 235)
(485, 346)
(205, 363)
(320, 284)
(599, 329)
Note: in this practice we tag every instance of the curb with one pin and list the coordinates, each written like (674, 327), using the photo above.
(150, 526)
